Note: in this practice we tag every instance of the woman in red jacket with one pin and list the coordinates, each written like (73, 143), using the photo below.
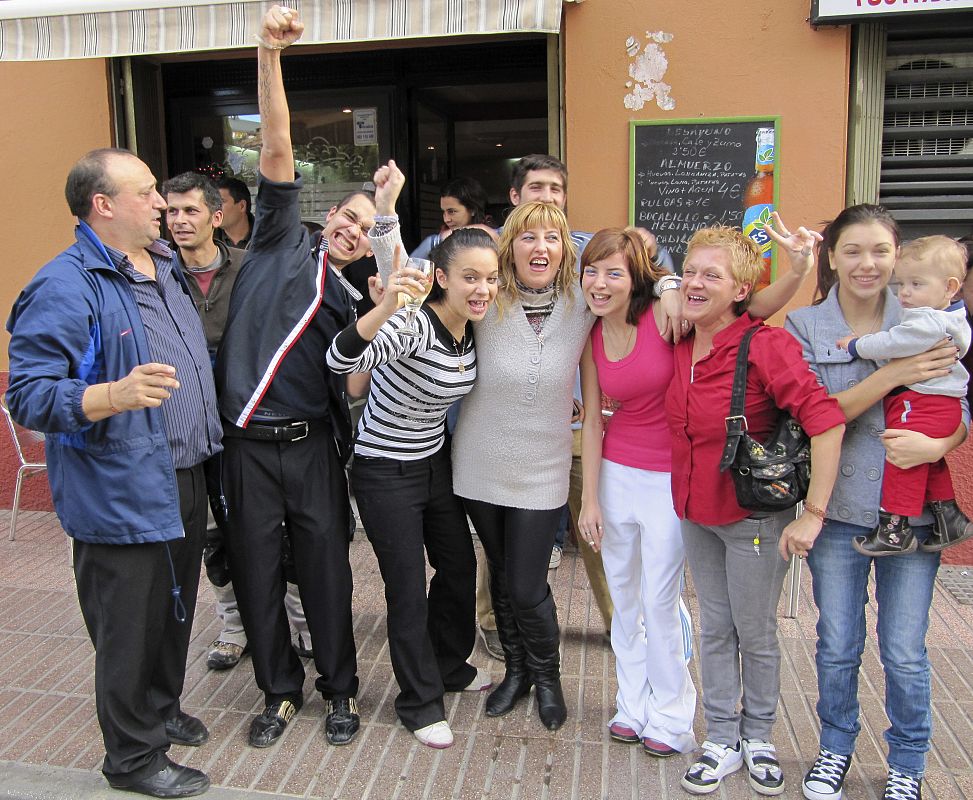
(737, 557)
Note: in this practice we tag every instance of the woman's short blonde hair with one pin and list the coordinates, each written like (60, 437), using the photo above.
(746, 260)
(525, 217)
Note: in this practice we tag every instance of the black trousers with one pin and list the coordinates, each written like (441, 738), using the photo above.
(407, 507)
(303, 484)
(518, 544)
(140, 648)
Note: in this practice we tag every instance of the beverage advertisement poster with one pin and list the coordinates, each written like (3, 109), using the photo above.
(689, 174)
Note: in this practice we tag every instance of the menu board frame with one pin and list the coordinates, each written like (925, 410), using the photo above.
(724, 145)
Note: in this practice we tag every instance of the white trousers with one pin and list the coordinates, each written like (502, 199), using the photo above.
(643, 554)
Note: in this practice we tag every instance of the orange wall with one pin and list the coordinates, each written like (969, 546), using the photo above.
(52, 114)
(726, 58)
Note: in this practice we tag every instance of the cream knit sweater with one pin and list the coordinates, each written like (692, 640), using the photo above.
(512, 445)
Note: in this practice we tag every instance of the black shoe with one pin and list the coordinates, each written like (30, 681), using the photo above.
(539, 628)
(902, 787)
(342, 722)
(515, 684)
(891, 537)
(174, 780)
(187, 730)
(826, 778)
(268, 727)
(550, 703)
(952, 526)
(516, 681)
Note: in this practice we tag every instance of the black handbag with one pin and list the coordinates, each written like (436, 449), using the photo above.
(767, 477)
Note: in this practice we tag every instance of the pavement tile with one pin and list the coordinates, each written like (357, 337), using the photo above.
(47, 707)
(31, 726)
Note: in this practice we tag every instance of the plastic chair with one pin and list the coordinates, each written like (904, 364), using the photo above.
(28, 444)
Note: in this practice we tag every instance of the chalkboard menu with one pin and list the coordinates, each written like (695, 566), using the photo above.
(689, 174)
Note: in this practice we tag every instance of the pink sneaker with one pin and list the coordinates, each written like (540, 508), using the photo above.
(622, 733)
(657, 749)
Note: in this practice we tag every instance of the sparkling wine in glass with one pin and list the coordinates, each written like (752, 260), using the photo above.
(412, 304)
(608, 407)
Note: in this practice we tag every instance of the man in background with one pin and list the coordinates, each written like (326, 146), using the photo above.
(237, 223)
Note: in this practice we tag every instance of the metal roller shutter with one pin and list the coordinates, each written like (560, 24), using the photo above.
(927, 131)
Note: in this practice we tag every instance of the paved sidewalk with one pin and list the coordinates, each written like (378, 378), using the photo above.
(50, 745)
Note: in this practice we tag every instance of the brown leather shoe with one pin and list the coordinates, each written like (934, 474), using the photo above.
(224, 655)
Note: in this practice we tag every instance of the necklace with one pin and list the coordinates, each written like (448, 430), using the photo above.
(873, 325)
(441, 311)
(457, 346)
(612, 340)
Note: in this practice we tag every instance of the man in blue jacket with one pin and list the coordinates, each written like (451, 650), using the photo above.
(108, 358)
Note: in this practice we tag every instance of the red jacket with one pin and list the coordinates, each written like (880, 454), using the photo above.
(698, 402)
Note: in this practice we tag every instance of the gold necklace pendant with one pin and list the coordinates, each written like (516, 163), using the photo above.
(461, 367)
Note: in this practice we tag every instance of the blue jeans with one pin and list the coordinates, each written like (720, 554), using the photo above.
(903, 590)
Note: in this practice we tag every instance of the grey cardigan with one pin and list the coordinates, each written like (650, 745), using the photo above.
(858, 489)
(512, 444)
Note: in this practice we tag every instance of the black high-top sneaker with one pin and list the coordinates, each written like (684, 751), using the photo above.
(952, 526)
(891, 537)
(902, 787)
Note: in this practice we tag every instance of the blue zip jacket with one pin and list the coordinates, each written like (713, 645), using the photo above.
(74, 325)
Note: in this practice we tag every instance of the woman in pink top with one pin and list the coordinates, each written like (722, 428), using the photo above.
(627, 507)
(625, 369)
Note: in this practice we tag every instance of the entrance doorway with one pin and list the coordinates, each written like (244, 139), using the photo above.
(440, 111)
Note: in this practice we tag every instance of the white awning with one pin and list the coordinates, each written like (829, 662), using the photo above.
(38, 30)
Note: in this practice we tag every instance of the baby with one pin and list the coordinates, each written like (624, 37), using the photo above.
(930, 271)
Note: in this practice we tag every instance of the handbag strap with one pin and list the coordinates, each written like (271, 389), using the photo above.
(736, 422)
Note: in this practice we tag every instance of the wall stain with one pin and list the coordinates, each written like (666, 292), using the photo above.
(647, 69)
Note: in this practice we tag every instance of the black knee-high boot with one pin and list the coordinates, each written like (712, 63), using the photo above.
(539, 628)
(516, 681)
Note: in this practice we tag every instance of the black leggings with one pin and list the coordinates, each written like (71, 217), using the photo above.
(517, 543)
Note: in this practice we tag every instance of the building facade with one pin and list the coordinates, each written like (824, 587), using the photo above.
(870, 100)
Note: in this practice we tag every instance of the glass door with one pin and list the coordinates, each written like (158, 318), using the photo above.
(339, 141)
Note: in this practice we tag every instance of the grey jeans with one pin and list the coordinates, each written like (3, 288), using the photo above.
(738, 589)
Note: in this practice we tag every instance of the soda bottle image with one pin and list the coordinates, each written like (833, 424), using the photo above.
(758, 199)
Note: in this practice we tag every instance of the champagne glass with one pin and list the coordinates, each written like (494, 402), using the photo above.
(609, 406)
(412, 303)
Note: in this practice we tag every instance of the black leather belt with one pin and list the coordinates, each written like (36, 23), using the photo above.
(286, 432)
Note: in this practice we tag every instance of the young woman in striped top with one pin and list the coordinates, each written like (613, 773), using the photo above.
(402, 475)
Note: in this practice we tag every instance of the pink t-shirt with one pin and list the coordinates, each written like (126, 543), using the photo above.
(637, 435)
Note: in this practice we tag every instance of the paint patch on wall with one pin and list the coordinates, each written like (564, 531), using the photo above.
(647, 69)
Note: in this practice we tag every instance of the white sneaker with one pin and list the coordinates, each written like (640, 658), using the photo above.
(766, 776)
(481, 681)
(826, 777)
(707, 772)
(438, 735)
(555, 561)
